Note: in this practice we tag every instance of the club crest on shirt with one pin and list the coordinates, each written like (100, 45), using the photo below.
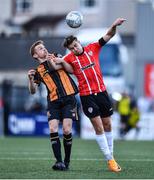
(90, 53)
(90, 109)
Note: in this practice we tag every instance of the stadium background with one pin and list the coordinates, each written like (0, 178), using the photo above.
(22, 115)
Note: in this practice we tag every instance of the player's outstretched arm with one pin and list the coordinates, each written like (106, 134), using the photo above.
(52, 63)
(65, 65)
(112, 29)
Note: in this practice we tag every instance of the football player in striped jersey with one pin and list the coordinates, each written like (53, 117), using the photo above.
(94, 97)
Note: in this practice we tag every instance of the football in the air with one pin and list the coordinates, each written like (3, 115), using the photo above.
(74, 19)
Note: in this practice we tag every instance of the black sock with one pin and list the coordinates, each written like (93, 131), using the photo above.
(56, 146)
(67, 142)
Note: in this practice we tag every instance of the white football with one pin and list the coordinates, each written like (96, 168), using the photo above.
(74, 19)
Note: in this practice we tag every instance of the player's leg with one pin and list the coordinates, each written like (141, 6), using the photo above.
(92, 110)
(53, 119)
(100, 137)
(108, 132)
(92, 106)
(112, 164)
(67, 140)
(54, 138)
(106, 111)
(56, 146)
(103, 144)
(68, 112)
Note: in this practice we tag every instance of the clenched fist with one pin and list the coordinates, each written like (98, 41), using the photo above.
(31, 74)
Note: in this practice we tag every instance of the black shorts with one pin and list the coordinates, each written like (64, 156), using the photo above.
(98, 104)
(62, 108)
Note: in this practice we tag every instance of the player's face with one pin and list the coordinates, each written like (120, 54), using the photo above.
(40, 51)
(76, 47)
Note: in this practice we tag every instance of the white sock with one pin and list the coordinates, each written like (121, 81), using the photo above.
(109, 137)
(103, 145)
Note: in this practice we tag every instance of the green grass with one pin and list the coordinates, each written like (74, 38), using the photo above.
(31, 158)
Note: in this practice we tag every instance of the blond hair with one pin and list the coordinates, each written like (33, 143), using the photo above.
(32, 48)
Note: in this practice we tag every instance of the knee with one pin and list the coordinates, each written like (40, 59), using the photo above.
(99, 130)
(66, 130)
(53, 130)
(107, 126)
(97, 124)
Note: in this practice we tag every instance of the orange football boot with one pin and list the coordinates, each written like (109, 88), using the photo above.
(113, 166)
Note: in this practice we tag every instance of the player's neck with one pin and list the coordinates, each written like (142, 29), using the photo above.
(80, 53)
(41, 60)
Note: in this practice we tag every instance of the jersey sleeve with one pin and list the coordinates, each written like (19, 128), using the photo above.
(68, 58)
(95, 47)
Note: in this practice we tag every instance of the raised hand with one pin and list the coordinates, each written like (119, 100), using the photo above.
(119, 21)
(31, 74)
(58, 60)
(50, 56)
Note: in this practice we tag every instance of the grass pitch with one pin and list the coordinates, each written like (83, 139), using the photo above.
(31, 158)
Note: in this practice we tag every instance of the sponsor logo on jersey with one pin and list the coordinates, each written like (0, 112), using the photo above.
(88, 66)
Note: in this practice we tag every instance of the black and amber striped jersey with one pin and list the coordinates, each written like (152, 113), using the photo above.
(58, 82)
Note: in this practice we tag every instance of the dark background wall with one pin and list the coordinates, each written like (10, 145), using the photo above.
(14, 52)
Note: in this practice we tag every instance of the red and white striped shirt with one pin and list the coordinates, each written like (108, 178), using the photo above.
(87, 69)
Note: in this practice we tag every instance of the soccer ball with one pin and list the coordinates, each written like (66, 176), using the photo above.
(74, 19)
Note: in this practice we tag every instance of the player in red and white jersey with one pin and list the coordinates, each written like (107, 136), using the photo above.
(87, 69)
(84, 63)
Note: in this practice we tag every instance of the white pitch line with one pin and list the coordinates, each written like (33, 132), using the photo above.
(23, 153)
(83, 159)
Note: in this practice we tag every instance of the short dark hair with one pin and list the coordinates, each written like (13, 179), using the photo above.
(68, 40)
(32, 48)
